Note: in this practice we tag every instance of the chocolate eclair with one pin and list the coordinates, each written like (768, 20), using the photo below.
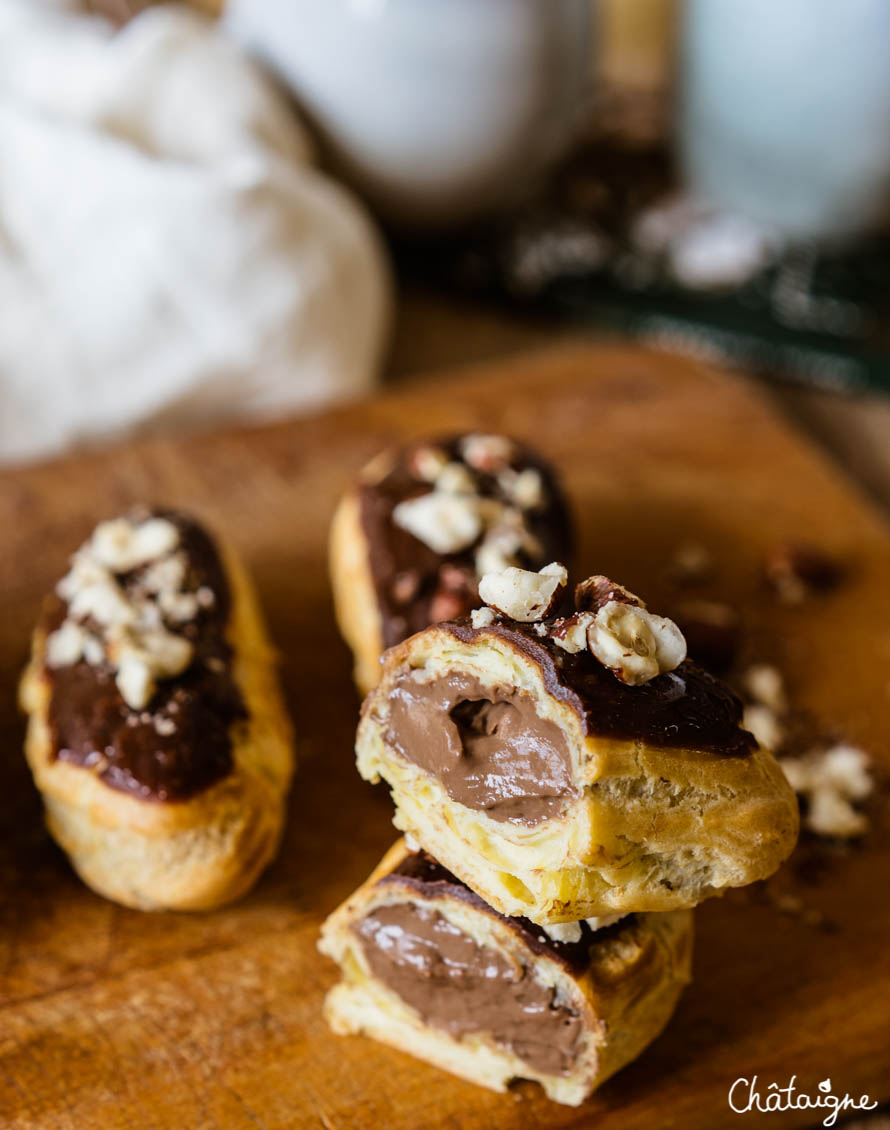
(156, 731)
(566, 760)
(410, 542)
(429, 968)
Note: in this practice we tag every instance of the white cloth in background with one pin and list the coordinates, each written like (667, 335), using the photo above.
(168, 254)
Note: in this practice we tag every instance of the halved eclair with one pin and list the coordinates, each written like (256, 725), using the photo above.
(429, 968)
(156, 731)
(410, 541)
(567, 761)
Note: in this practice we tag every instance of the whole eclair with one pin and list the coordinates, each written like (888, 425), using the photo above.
(156, 731)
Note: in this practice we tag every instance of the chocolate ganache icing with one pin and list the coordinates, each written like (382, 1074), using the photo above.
(180, 743)
(415, 585)
(687, 708)
(488, 746)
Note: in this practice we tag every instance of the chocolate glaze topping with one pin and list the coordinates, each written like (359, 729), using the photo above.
(460, 986)
(685, 708)
(415, 586)
(430, 879)
(488, 747)
(181, 743)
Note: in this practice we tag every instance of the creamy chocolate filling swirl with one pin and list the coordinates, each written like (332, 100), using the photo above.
(488, 746)
(462, 987)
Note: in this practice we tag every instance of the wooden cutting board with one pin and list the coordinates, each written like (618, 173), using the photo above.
(113, 1018)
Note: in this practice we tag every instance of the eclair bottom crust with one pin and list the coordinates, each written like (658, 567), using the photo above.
(616, 990)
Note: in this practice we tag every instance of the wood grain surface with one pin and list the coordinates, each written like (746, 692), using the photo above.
(113, 1018)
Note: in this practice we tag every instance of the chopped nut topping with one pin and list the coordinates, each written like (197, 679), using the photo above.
(121, 545)
(564, 932)
(523, 595)
(505, 538)
(524, 488)
(765, 725)
(66, 645)
(596, 592)
(425, 462)
(405, 586)
(447, 523)
(571, 931)
(765, 686)
(633, 643)
(454, 478)
(482, 617)
(487, 453)
(830, 780)
(571, 633)
(604, 920)
(125, 625)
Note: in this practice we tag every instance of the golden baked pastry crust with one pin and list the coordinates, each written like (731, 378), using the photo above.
(625, 995)
(193, 854)
(649, 829)
(355, 601)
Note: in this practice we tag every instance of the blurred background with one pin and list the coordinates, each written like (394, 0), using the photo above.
(213, 213)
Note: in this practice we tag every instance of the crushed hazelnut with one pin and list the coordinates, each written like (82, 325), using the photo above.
(594, 593)
(830, 781)
(506, 537)
(64, 647)
(633, 643)
(571, 633)
(487, 453)
(454, 478)
(523, 488)
(144, 659)
(446, 523)
(524, 595)
(604, 920)
(765, 725)
(125, 625)
(425, 462)
(482, 617)
(765, 686)
(121, 544)
(564, 932)
(405, 586)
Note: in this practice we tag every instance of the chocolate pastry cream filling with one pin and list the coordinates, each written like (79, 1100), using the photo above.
(462, 987)
(487, 746)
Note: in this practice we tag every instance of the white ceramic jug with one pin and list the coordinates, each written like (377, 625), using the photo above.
(434, 109)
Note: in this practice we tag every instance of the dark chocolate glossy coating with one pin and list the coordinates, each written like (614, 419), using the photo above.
(408, 575)
(686, 708)
(91, 723)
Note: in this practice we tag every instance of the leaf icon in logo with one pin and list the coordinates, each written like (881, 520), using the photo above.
(825, 1085)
